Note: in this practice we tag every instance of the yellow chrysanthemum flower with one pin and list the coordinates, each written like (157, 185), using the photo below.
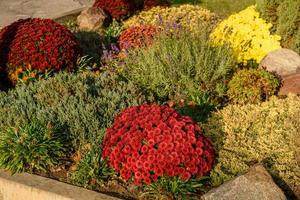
(247, 34)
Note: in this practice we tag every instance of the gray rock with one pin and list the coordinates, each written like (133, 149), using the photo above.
(282, 61)
(257, 184)
(91, 19)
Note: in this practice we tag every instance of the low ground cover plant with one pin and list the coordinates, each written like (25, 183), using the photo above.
(83, 104)
(266, 133)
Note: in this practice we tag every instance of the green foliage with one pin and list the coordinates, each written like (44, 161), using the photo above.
(84, 104)
(252, 86)
(289, 23)
(113, 32)
(92, 167)
(33, 146)
(268, 9)
(265, 133)
(174, 188)
(285, 16)
(181, 66)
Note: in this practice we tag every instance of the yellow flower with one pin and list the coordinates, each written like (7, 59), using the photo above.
(247, 34)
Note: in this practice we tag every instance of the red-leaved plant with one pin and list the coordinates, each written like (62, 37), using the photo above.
(150, 141)
(137, 36)
(148, 4)
(40, 44)
(116, 8)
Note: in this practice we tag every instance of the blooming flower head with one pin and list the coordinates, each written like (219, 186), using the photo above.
(148, 152)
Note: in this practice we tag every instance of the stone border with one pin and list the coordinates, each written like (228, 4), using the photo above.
(31, 187)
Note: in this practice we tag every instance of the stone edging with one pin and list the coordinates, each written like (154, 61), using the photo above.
(31, 187)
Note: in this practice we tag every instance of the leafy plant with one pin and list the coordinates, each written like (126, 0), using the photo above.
(34, 146)
(252, 86)
(181, 66)
(113, 32)
(92, 168)
(175, 188)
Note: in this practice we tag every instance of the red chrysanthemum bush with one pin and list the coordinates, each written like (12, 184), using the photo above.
(38, 44)
(150, 141)
(137, 36)
(148, 4)
(116, 8)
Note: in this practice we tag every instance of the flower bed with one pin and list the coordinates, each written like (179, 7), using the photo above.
(166, 104)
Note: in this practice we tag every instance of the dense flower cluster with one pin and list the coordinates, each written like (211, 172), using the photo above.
(150, 141)
(116, 8)
(40, 44)
(148, 4)
(185, 16)
(247, 34)
(137, 36)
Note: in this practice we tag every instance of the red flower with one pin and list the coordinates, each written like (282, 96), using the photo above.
(116, 8)
(41, 44)
(184, 152)
(138, 36)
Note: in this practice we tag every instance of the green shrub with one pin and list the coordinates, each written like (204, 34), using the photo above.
(289, 23)
(268, 9)
(268, 133)
(252, 86)
(33, 146)
(84, 104)
(285, 16)
(181, 66)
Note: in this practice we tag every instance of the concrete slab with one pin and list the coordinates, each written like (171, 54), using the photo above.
(11, 10)
(30, 187)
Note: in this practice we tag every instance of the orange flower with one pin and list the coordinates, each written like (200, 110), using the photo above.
(32, 75)
(25, 78)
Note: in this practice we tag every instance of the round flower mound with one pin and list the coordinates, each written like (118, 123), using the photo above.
(137, 36)
(150, 141)
(116, 8)
(247, 34)
(252, 86)
(186, 16)
(38, 44)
